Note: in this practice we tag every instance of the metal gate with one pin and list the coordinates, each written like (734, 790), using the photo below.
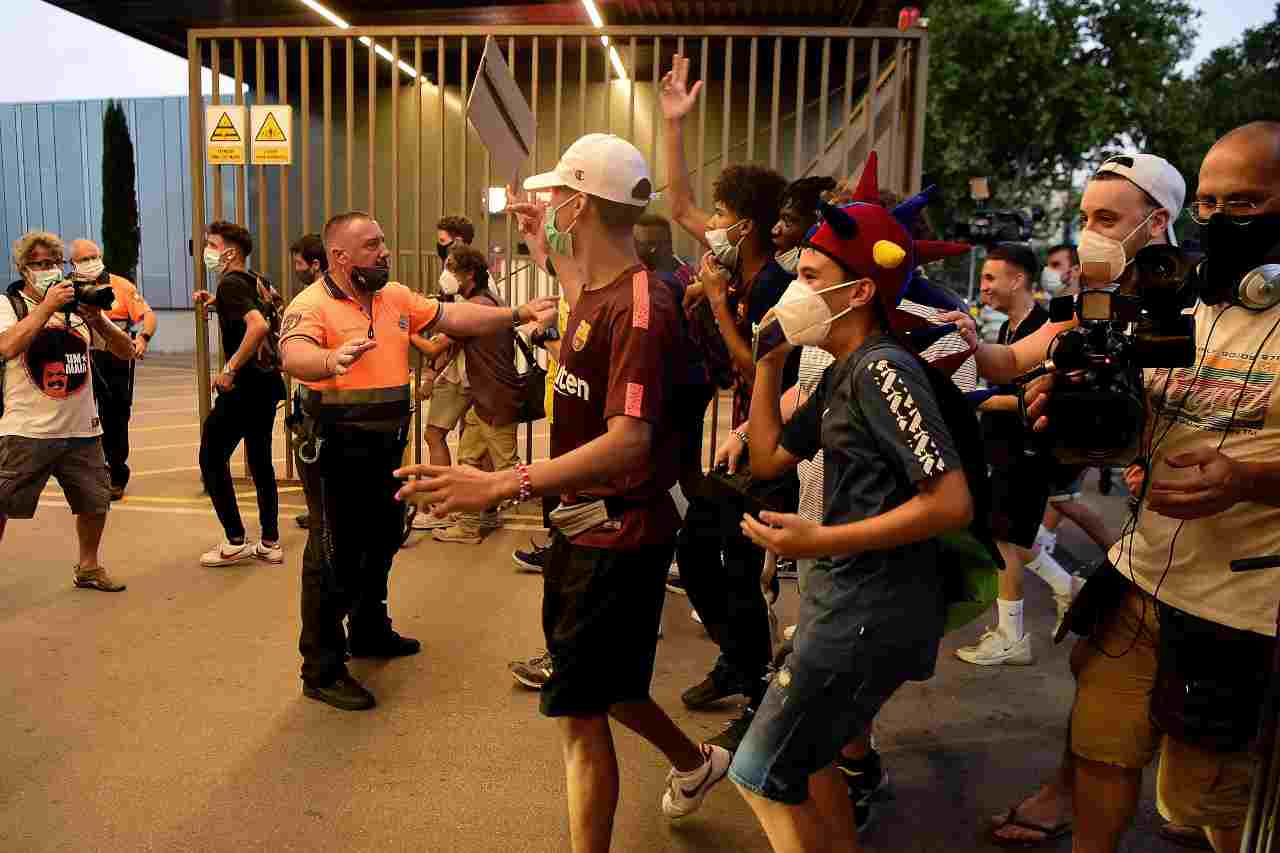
(379, 126)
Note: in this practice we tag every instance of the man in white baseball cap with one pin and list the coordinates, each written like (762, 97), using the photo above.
(615, 455)
(1156, 177)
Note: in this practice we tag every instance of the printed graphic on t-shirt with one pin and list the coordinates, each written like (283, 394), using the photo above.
(58, 362)
(910, 420)
(1225, 386)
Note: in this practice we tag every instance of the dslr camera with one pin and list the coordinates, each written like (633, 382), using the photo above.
(1097, 412)
(97, 293)
(989, 226)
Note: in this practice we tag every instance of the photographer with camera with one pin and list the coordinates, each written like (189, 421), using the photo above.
(50, 424)
(1180, 651)
(113, 377)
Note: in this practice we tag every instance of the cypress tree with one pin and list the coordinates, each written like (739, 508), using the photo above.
(121, 234)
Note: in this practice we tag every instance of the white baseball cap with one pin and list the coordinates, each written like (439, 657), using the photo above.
(602, 165)
(1157, 177)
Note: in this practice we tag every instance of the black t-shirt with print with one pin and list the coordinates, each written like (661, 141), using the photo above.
(236, 296)
(876, 420)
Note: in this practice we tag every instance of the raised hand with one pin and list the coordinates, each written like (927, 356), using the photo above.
(674, 95)
(348, 354)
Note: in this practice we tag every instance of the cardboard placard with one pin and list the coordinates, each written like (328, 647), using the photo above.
(500, 114)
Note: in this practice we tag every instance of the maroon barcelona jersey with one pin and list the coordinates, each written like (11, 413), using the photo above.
(617, 359)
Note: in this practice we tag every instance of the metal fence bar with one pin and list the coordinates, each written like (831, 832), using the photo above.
(559, 90)
(242, 171)
(797, 155)
(656, 118)
(606, 93)
(351, 123)
(523, 31)
(872, 83)
(304, 138)
(327, 131)
(776, 106)
(824, 130)
(726, 112)
(845, 130)
(463, 124)
(260, 96)
(631, 94)
(582, 84)
(898, 181)
(395, 147)
(215, 61)
(195, 122)
(752, 79)
(285, 266)
(373, 127)
(918, 100)
(421, 264)
(700, 187)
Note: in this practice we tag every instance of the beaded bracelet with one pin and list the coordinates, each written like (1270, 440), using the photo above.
(526, 488)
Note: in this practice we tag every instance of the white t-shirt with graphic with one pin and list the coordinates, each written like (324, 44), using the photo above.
(48, 390)
(1232, 384)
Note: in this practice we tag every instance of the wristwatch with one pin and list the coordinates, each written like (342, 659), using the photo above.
(146, 337)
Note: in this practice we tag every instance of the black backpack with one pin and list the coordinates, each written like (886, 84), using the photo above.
(271, 304)
(14, 294)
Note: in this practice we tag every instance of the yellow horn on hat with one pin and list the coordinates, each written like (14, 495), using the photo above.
(888, 254)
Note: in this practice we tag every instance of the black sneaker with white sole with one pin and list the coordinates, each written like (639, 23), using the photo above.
(787, 570)
(731, 737)
(531, 559)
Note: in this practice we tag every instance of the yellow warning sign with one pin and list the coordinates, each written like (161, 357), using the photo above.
(224, 135)
(270, 131)
(224, 131)
(272, 126)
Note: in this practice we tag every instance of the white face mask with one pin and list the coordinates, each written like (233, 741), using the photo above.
(805, 316)
(90, 270)
(1051, 281)
(449, 284)
(790, 260)
(213, 260)
(42, 280)
(1103, 259)
(725, 250)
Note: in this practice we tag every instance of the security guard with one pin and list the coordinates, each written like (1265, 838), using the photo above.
(113, 377)
(346, 340)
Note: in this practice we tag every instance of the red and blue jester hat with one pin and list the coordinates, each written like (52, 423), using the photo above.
(872, 242)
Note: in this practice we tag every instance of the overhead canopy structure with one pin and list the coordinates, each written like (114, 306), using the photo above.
(164, 23)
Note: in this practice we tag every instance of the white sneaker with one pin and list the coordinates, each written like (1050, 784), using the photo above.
(693, 614)
(686, 791)
(424, 520)
(673, 571)
(1064, 601)
(270, 553)
(993, 649)
(227, 554)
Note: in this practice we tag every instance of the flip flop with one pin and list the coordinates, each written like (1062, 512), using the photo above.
(1050, 833)
(1186, 836)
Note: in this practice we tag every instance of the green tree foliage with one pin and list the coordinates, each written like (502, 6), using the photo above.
(1029, 92)
(121, 234)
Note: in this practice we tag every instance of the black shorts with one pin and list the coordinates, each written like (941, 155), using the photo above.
(601, 611)
(1019, 494)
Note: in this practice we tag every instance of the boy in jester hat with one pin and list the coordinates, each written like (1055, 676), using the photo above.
(875, 606)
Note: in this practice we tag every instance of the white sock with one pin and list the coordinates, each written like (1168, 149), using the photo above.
(1051, 572)
(1010, 625)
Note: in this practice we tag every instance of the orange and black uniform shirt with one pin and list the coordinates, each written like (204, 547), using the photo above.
(374, 394)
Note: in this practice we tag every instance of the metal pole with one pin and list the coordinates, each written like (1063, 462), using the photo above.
(241, 172)
(195, 121)
(846, 128)
(351, 124)
(797, 154)
(752, 78)
(326, 132)
(777, 92)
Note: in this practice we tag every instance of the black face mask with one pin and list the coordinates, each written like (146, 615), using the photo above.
(648, 256)
(370, 279)
(304, 278)
(1233, 250)
(442, 249)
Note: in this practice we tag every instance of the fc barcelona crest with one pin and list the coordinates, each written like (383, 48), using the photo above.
(580, 336)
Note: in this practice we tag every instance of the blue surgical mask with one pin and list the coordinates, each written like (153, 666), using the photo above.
(559, 242)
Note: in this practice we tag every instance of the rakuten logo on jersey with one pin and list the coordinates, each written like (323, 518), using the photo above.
(572, 386)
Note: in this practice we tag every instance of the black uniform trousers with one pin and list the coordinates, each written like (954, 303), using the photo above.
(355, 532)
(113, 390)
(720, 568)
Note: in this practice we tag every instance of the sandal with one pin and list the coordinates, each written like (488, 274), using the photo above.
(1050, 833)
(1186, 836)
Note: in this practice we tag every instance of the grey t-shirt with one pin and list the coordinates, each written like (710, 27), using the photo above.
(875, 417)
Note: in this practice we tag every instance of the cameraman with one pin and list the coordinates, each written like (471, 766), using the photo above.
(50, 424)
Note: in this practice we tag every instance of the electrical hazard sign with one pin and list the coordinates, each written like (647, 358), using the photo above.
(271, 127)
(224, 135)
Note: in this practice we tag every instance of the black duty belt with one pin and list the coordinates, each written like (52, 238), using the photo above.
(367, 409)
